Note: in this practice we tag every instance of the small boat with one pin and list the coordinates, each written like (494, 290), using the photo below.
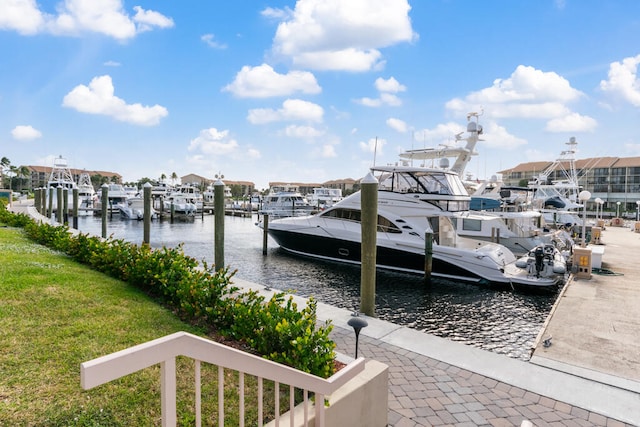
(285, 204)
(190, 193)
(544, 260)
(134, 209)
(181, 204)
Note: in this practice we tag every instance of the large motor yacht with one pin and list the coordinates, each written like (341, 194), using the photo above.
(413, 203)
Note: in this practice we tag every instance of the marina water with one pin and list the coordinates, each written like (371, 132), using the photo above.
(501, 321)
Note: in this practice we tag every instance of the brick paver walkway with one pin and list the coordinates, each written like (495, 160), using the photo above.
(426, 392)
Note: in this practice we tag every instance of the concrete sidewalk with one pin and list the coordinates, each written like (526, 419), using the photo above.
(436, 382)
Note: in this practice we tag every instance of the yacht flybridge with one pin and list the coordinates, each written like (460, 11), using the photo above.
(412, 201)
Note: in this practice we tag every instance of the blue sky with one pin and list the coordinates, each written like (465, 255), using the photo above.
(301, 91)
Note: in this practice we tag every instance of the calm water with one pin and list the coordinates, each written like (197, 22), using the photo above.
(505, 322)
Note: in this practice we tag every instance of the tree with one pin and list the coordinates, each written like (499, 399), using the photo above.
(4, 166)
(23, 172)
(174, 178)
(163, 177)
(236, 191)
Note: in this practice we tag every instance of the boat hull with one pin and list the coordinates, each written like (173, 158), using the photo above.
(347, 251)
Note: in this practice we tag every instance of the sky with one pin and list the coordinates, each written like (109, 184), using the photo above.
(313, 90)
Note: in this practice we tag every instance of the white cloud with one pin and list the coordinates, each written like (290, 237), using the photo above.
(25, 133)
(444, 134)
(263, 82)
(99, 98)
(573, 122)
(213, 142)
(254, 153)
(111, 64)
(496, 136)
(328, 151)
(373, 145)
(397, 125)
(305, 132)
(77, 16)
(148, 19)
(387, 89)
(342, 35)
(274, 13)
(22, 16)
(390, 85)
(527, 93)
(209, 39)
(623, 80)
(292, 109)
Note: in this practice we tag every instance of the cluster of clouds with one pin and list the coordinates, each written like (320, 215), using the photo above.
(315, 36)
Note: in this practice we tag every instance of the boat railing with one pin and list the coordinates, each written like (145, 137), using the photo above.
(165, 350)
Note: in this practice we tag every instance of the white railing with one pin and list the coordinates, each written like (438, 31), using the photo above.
(165, 350)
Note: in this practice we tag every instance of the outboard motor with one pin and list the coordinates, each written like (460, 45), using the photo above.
(539, 255)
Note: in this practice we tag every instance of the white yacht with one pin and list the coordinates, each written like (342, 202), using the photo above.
(323, 197)
(285, 204)
(116, 197)
(60, 177)
(188, 193)
(134, 209)
(412, 201)
(86, 194)
(181, 204)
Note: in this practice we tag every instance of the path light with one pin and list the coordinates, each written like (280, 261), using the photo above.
(583, 197)
(357, 323)
(598, 201)
(618, 210)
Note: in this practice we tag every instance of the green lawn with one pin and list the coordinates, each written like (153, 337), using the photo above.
(56, 314)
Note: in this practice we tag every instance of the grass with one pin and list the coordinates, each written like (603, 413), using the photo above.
(56, 314)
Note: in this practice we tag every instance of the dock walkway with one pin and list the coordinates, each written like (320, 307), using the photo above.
(588, 376)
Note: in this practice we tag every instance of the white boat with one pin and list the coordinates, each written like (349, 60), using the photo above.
(190, 194)
(285, 204)
(544, 260)
(60, 177)
(86, 194)
(181, 204)
(412, 201)
(323, 197)
(134, 209)
(116, 197)
(496, 213)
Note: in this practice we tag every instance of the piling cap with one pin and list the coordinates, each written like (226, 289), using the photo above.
(369, 179)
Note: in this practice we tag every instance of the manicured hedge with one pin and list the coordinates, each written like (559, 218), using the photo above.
(275, 328)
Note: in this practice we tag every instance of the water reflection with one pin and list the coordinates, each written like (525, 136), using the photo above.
(505, 322)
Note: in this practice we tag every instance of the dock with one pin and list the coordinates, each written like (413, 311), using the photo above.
(594, 326)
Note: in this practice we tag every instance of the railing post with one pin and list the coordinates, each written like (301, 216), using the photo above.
(168, 392)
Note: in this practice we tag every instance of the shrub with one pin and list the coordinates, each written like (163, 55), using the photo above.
(276, 328)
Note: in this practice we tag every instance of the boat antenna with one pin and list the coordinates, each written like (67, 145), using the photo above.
(375, 151)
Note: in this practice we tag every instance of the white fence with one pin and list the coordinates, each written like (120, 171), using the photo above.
(165, 350)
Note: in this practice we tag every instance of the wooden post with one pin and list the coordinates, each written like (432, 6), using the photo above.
(43, 201)
(104, 205)
(75, 208)
(428, 256)
(59, 205)
(36, 199)
(369, 227)
(50, 210)
(218, 208)
(146, 198)
(65, 203)
(265, 232)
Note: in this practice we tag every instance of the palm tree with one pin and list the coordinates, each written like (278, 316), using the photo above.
(4, 165)
(174, 178)
(22, 173)
(163, 177)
